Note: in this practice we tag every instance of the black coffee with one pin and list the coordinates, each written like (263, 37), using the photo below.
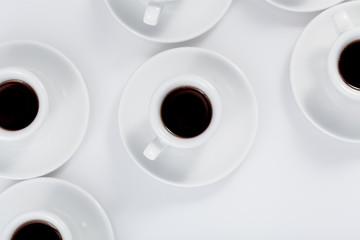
(349, 64)
(36, 230)
(19, 105)
(186, 112)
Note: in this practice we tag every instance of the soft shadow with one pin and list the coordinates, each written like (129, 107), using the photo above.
(5, 184)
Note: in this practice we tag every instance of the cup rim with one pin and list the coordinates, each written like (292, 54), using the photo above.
(333, 58)
(160, 93)
(27, 76)
(48, 217)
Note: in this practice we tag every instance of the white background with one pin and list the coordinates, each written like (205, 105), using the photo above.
(296, 182)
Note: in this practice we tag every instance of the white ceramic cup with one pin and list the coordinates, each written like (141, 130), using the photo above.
(164, 137)
(153, 11)
(46, 217)
(347, 34)
(24, 75)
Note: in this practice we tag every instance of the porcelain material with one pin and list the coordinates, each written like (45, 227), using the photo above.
(61, 132)
(153, 11)
(24, 75)
(180, 20)
(319, 95)
(74, 212)
(304, 5)
(224, 151)
(165, 138)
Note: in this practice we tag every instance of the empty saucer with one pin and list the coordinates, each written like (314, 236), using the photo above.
(61, 133)
(180, 21)
(85, 217)
(304, 5)
(313, 90)
(224, 151)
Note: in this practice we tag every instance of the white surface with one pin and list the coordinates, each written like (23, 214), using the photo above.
(296, 183)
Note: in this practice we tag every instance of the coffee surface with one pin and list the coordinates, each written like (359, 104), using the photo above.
(19, 105)
(349, 64)
(36, 230)
(186, 112)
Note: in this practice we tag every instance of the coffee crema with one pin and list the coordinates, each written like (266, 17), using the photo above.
(186, 112)
(19, 105)
(349, 64)
(36, 230)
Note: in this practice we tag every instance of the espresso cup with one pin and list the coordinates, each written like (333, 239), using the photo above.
(184, 112)
(23, 103)
(344, 57)
(153, 11)
(36, 225)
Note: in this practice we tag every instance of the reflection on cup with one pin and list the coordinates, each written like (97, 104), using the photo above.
(23, 103)
(185, 112)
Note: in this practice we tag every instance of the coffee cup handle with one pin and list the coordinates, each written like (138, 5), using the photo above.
(152, 13)
(154, 148)
(342, 21)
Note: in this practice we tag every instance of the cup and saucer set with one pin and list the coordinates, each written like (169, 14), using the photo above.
(187, 116)
(195, 143)
(325, 71)
(187, 100)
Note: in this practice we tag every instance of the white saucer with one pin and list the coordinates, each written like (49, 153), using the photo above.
(87, 218)
(179, 21)
(64, 128)
(319, 101)
(224, 152)
(304, 5)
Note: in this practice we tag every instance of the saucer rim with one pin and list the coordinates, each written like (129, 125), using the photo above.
(293, 90)
(86, 108)
(67, 184)
(302, 10)
(251, 139)
(170, 40)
